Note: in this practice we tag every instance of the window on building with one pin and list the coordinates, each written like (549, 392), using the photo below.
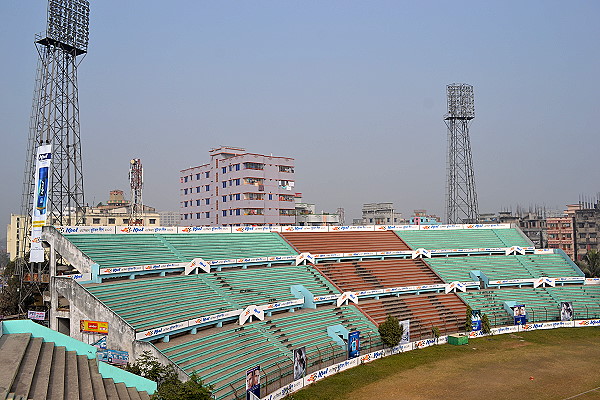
(198, 177)
(207, 174)
(224, 184)
(224, 213)
(237, 168)
(185, 203)
(223, 170)
(253, 211)
(198, 215)
(286, 197)
(207, 188)
(237, 196)
(251, 165)
(152, 221)
(254, 181)
(224, 199)
(207, 201)
(237, 210)
(111, 221)
(237, 182)
(207, 214)
(254, 196)
(185, 191)
(286, 168)
(270, 196)
(197, 202)
(125, 221)
(287, 185)
(95, 220)
(185, 179)
(287, 212)
(197, 189)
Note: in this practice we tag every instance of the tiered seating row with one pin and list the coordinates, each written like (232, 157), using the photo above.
(147, 303)
(502, 267)
(126, 250)
(222, 355)
(344, 242)
(463, 238)
(378, 274)
(444, 311)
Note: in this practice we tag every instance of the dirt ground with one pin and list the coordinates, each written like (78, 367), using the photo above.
(519, 370)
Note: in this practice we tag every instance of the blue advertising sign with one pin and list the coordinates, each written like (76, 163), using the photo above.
(476, 320)
(116, 357)
(354, 344)
(253, 383)
(520, 314)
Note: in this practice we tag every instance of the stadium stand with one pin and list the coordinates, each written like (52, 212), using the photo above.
(157, 301)
(463, 238)
(221, 356)
(502, 267)
(111, 251)
(344, 242)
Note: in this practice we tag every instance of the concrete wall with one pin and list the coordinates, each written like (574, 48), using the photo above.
(67, 250)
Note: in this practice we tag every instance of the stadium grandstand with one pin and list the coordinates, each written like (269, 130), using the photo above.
(221, 301)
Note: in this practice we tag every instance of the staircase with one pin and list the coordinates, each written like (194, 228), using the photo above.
(33, 369)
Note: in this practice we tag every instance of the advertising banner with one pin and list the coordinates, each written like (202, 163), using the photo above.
(299, 363)
(93, 326)
(253, 383)
(566, 311)
(100, 343)
(115, 357)
(37, 315)
(354, 344)
(520, 314)
(405, 324)
(475, 320)
(40, 201)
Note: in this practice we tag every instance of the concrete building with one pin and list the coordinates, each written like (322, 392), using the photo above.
(561, 234)
(420, 217)
(532, 222)
(586, 220)
(381, 214)
(237, 188)
(306, 215)
(169, 218)
(15, 235)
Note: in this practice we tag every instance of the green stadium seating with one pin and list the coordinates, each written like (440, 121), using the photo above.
(463, 238)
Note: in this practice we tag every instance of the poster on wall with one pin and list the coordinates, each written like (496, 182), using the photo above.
(475, 320)
(100, 343)
(566, 311)
(354, 344)
(520, 314)
(114, 357)
(405, 324)
(299, 363)
(40, 201)
(253, 383)
(93, 326)
(37, 315)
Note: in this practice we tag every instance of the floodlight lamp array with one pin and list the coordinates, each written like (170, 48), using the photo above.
(461, 102)
(68, 22)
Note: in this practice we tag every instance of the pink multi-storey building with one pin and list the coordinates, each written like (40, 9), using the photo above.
(237, 188)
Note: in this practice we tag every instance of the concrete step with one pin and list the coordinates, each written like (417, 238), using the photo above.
(13, 350)
(23, 380)
(97, 382)
(41, 378)
(84, 378)
(122, 391)
(56, 386)
(133, 393)
(144, 395)
(111, 390)
(71, 377)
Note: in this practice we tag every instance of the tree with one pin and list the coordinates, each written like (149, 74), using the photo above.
(469, 320)
(591, 264)
(9, 290)
(390, 331)
(170, 387)
(485, 324)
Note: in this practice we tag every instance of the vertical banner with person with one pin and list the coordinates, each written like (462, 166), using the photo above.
(299, 363)
(475, 320)
(354, 344)
(566, 311)
(253, 383)
(520, 314)
(405, 324)
(40, 201)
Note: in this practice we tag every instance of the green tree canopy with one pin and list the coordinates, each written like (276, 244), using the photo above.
(390, 331)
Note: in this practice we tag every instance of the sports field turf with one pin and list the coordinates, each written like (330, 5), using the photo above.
(543, 364)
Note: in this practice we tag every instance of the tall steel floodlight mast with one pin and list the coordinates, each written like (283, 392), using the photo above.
(55, 121)
(136, 182)
(461, 198)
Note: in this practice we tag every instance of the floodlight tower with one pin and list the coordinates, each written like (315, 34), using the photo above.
(53, 177)
(136, 182)
(461, 198)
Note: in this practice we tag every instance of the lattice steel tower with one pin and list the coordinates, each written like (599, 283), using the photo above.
(461, 197)
(54, 125)
(136, 183)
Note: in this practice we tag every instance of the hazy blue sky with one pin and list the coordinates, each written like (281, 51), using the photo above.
(354, 91)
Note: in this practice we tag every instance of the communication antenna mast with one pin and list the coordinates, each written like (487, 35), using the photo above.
(136, 182)
(53, 176)
(461, 198)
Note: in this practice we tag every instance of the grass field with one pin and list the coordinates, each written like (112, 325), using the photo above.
(543, 364)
